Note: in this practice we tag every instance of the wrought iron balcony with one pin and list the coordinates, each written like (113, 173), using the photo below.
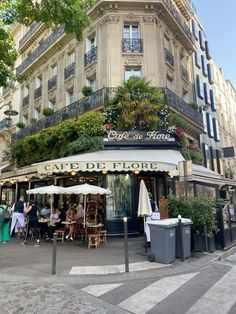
(8, 88)
(90, 56)
(38, 92)
(184, 73)
(52, 82)
(85, 104)
(5, 123)
(25, 101)
(69, 70)
(132, 45)
(180, 105)
(179, 19)
(33, 28)
(169, 57)
(38, 51)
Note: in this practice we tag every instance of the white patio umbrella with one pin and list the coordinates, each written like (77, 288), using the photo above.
(144, 207)
(50, 189)
(86, 189)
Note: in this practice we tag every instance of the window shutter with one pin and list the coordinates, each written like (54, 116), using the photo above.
(212, 98)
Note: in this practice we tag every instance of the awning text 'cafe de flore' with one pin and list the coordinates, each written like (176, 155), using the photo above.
(127, 158)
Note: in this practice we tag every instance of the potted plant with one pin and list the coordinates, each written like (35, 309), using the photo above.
(20, 125)
(47, 111)
(87, 90)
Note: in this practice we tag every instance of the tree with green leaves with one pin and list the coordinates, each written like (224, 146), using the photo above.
(137, 104)
(72, 14)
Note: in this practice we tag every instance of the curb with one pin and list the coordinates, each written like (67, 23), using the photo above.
(227, 252)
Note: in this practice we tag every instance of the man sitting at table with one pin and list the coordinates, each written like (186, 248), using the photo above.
(45, 212)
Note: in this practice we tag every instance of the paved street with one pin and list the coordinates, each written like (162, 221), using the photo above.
(200, 284)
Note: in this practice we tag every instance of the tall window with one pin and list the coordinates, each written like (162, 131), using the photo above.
(70, 58)
(131, 31)
(118, 203)
(36, 114)
(53, 70)
(52, 104)
(92, 83)
(38, 81)
(200, 90)
(90, 43)
(69, 97)
(26, 90)
(130, 71)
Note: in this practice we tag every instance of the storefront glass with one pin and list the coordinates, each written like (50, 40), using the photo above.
(118, 203)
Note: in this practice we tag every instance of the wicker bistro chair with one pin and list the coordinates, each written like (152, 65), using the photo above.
(60, 234)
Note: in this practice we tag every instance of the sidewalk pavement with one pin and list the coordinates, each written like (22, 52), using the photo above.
(75, 259)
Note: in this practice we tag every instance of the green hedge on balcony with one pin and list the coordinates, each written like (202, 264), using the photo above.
(72, 136)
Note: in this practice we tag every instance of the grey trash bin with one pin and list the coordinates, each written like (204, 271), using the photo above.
(162, 234)
(186, 235)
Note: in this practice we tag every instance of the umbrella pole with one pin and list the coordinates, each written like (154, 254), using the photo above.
(145, 236)
(84, 218)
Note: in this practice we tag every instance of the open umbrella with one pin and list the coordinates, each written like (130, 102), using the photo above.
(50, 189)
(144, 206)
(86, 189)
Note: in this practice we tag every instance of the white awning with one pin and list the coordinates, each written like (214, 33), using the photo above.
(114, 160)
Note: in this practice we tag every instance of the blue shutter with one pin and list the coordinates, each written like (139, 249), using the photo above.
(210, 125)
(197, 59)
(210, 77)
(212, 98)
(200, 87)
(201, 41)
(208, 54)
(204, 69)
(206, 94)
(216, 130)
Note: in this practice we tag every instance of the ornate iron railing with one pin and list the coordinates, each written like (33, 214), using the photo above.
(52, 82)
(27, 35)
(85, 104)
(38, 51)
(184, 73)
(169, 57)
(90, 56)
(132, 45)
(180, 105)
(69, 70)
(38, 92)
(5, 123)
(179, 19)
(25, 101)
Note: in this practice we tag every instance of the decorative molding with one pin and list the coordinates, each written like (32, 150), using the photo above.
(150, 20)
(133, 60)
(52, 94)
(69, 83)
(38, 103)
(91, 71)
(160, 13)
(170, 73)
(61, 55)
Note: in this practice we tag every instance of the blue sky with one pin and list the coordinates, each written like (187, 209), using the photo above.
(218, 18)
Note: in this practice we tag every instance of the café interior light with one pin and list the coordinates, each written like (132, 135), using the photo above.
(73, 173)
(136, 171)
(104, 171)
(26, 179)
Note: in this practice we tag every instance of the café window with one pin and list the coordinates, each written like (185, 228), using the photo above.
(118, 203)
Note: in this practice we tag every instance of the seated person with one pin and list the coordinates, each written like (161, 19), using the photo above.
(71, 215)
(55, 222)
(45, 212)
(80, 213)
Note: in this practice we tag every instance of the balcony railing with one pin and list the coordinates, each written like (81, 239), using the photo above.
(27, 35)
(5, 123)
(52, 82)
(184, 73)
(90, 56)
(180, 105)
(69, 70)
(38, 92)
(132, 45)
(25, 101)
(179, 19)
(38, 51)
(85, 104)
(169, 57)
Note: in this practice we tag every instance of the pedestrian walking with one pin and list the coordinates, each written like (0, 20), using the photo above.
(5, 216)
(18, 218)
(31, 212)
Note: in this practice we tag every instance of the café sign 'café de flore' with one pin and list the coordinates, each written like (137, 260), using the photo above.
(127, 158)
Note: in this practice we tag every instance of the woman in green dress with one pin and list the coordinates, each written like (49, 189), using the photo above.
(5, 213)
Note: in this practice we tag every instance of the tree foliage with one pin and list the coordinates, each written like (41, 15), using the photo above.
(72, 14)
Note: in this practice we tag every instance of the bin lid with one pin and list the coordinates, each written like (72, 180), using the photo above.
(185, 221)
(167, 223)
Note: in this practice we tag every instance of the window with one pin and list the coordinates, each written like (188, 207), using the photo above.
(25, 120)
(216, 130)
(204, 121)
(90, 43)
(38, 82)
(200, 90)
(210, 128)
(36, 114)
(69, 97)
(70, 58)
(131, 31)
(206, 94)
(92, 83)
(194, 29)
(210, 73)
(118, 203)
(166, 43)
(197, 59)
(52, 104)
(208, 54)
(26, 90)
(211, 153)
(204, 66)
(201, 40)
(212, 98)
(130, 71)
(205, 152)
(53, 70)
(218, 164)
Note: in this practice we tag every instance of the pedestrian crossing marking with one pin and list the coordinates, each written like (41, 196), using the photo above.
(98, 290)
(112, 269)
(219, 298)
(147, 298)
